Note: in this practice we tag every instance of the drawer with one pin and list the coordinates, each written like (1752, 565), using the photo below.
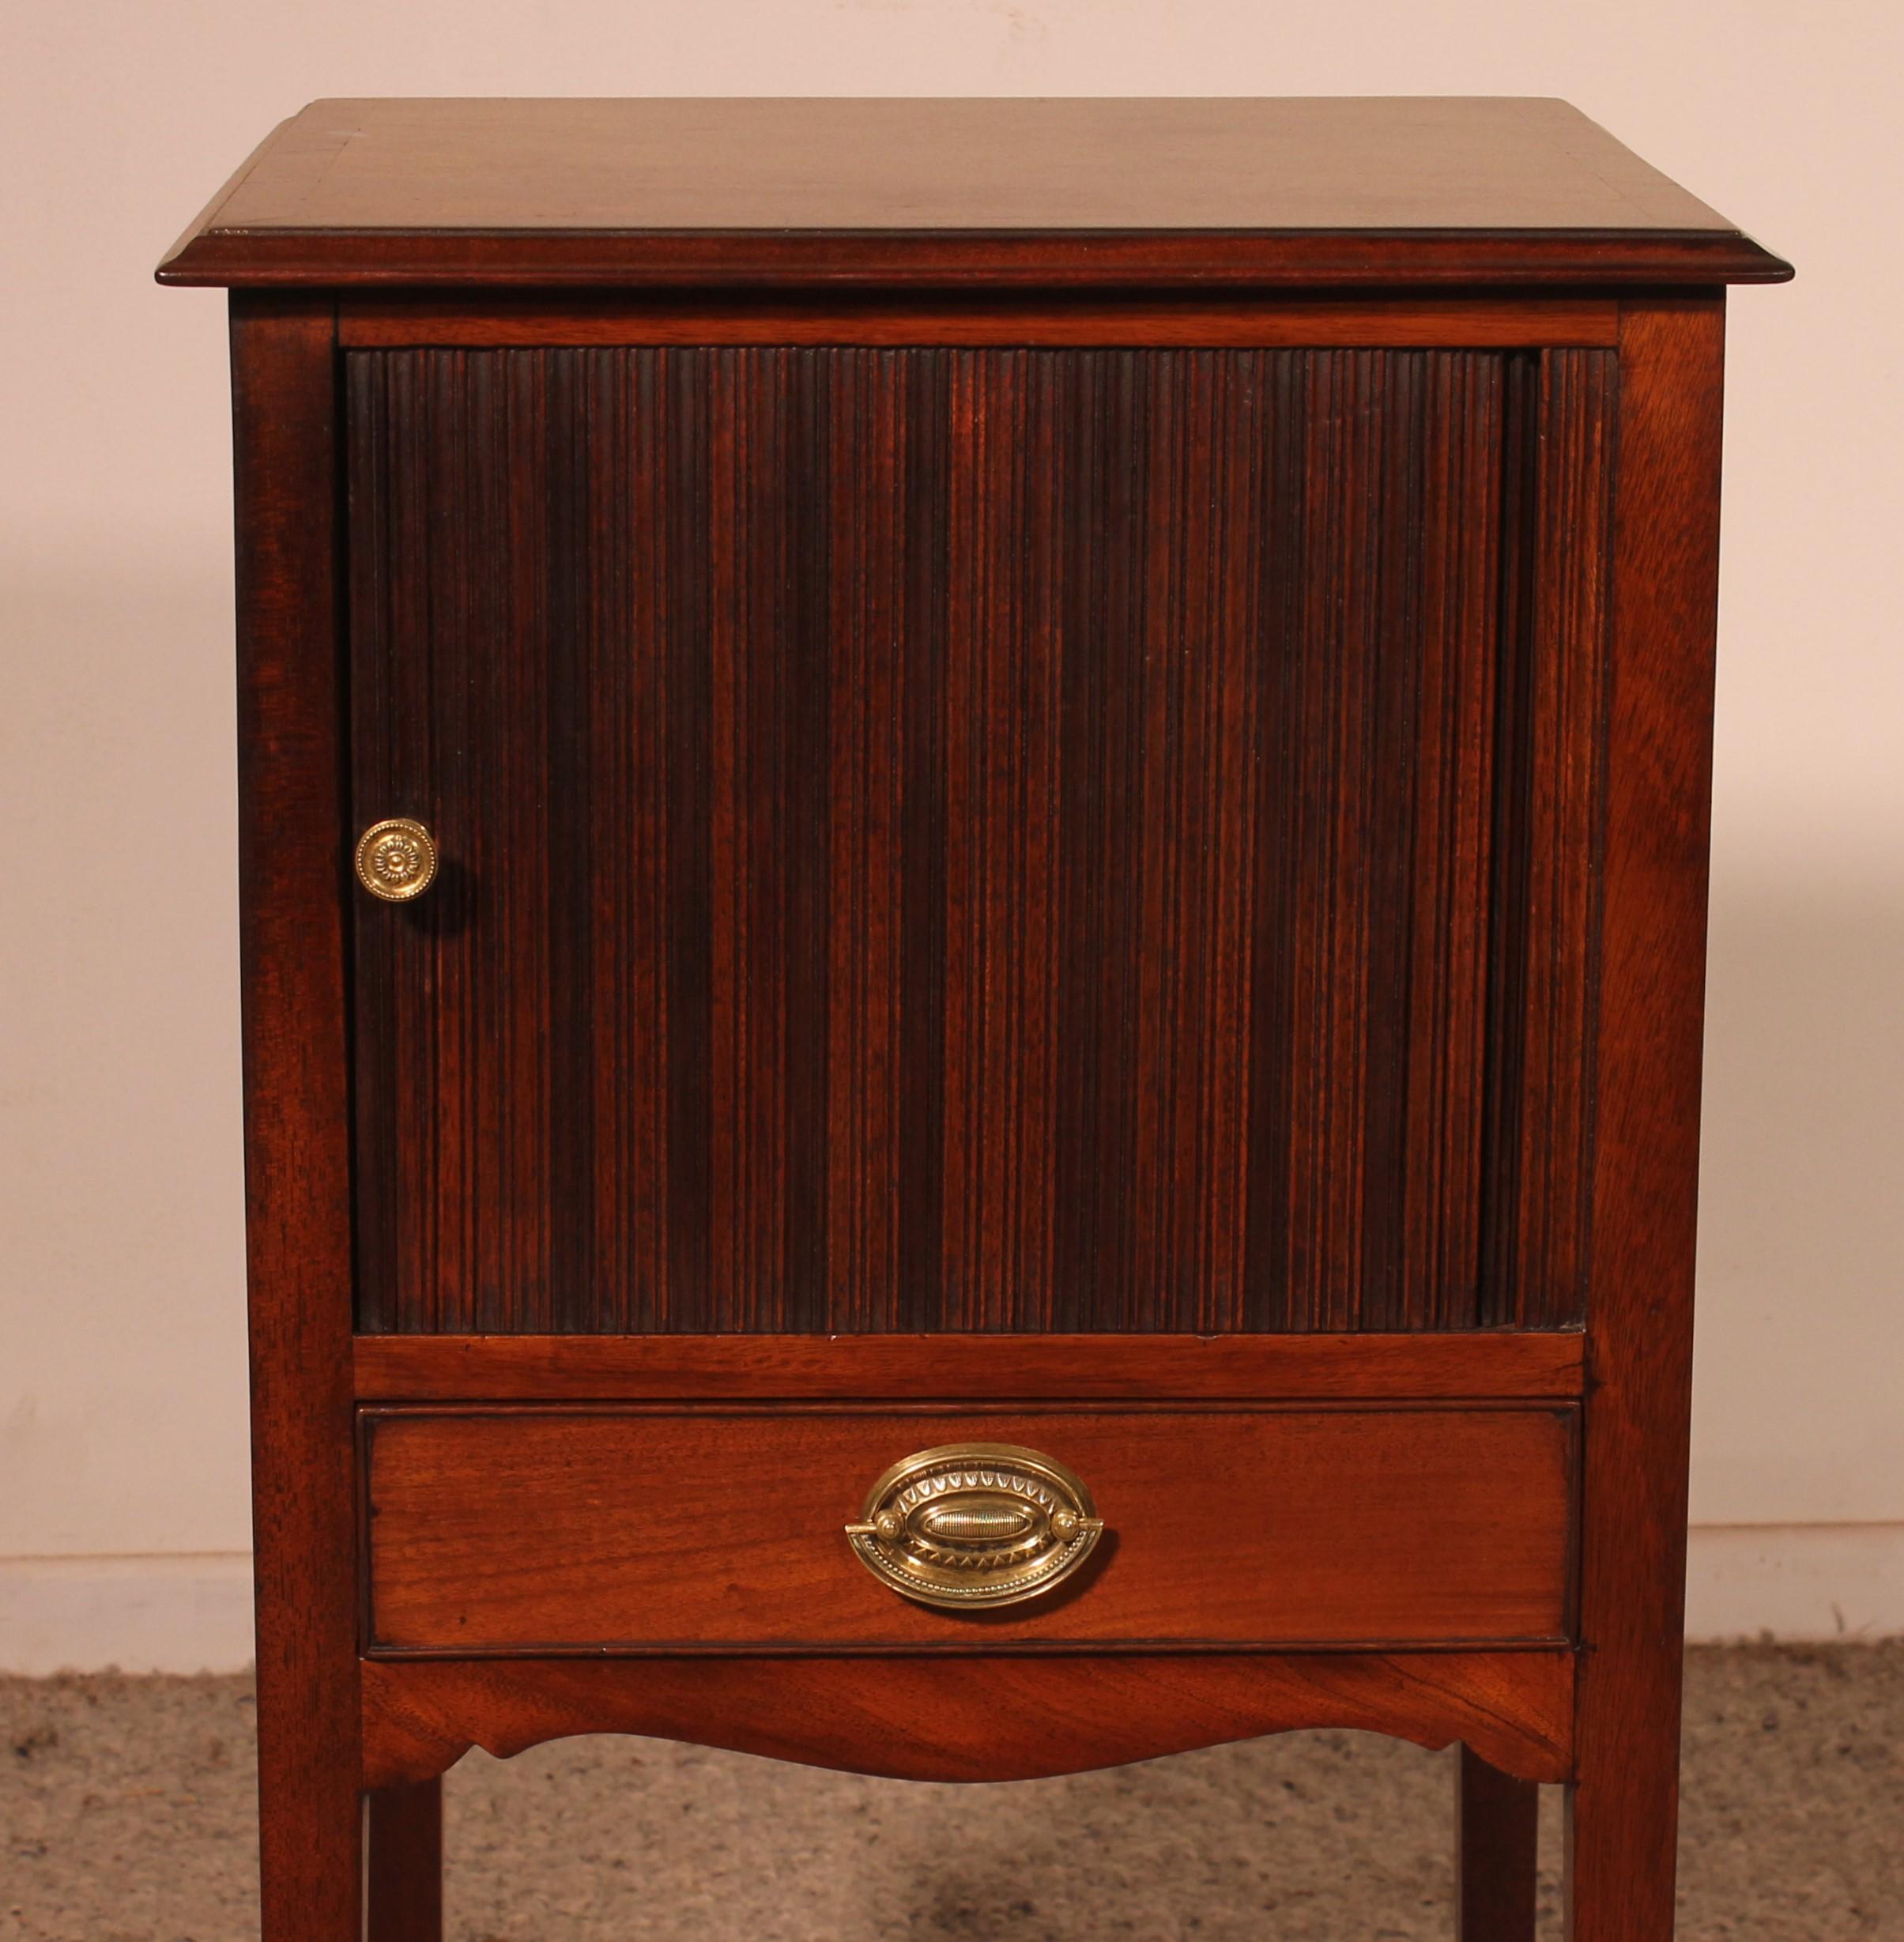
(492, 1530)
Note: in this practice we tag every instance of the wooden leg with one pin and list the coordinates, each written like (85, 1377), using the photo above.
(297, 1121)
(310, 1851)
(1622, 1809)
(404, 1899)
(1622, 1838)
(1497, 1820)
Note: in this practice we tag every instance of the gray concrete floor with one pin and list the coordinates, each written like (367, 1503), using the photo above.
(125, 1806)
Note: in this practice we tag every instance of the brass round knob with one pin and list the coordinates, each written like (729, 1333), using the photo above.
(396, 859)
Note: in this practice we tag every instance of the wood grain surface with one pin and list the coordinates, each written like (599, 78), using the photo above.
(588, 1530)
(403, 1863)
(1497, 1830)
(1644, 1172)
(1557, 545)
(1470, 1365)
(980, 1719)
(297, 1153)
(374, 321)
(1052, 191)
(995, 840)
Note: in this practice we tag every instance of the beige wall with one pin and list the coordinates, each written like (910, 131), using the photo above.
(121, 1373)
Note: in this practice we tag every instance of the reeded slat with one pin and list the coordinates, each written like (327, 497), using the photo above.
(1559, 524)
(993, 839)
(1445, 1050)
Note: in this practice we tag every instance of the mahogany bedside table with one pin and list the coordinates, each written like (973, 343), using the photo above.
(973, 849)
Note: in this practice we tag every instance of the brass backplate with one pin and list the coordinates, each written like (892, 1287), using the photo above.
(971, 1524)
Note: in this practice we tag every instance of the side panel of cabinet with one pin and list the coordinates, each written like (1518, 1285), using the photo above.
(976, 839)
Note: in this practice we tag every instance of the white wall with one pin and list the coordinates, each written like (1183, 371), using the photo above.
(122, 1517)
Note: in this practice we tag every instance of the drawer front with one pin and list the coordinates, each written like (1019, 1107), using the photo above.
(534, 1531)
(980, 840)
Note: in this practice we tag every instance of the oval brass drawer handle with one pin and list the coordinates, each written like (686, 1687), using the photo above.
(396, 859)
(975, 1524)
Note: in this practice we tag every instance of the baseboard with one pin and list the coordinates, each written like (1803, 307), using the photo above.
(193, 1614)
(1795, 1582)
(189, 1613)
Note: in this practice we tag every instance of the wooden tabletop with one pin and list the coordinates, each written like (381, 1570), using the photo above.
(763, 191)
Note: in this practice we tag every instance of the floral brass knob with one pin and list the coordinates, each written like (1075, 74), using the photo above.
(396, 859)
(974, 1525)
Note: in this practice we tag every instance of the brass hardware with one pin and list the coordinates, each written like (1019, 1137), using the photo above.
(975, 1524)
(396, 859)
